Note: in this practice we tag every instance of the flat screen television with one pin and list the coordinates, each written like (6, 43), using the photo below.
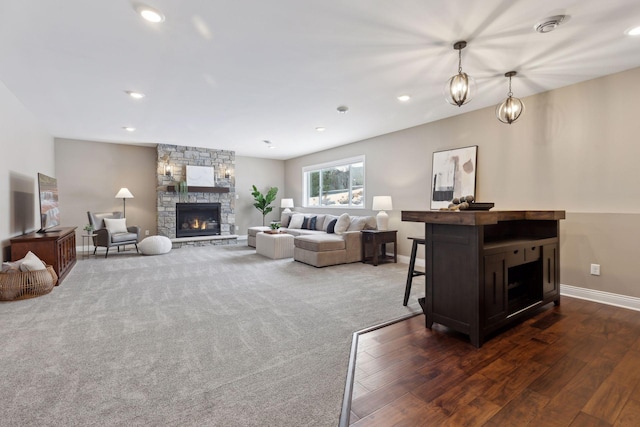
(49, 211)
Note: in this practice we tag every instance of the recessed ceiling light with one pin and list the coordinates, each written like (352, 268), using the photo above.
(149, 14)
(321, 129)
(136, 95)
(128, 128)
(342, 109)
(404, 98)
(633, 31)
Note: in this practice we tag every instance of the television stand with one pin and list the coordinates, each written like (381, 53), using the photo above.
(56, 247)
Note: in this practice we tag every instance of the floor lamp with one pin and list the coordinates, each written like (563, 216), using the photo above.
(124, 194)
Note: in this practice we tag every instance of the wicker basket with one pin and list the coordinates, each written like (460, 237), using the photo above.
(28, 284)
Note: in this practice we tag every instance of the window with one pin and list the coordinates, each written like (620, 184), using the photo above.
(335, 184)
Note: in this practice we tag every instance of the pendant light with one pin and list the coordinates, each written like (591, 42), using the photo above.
(461, 87)
(512, 108)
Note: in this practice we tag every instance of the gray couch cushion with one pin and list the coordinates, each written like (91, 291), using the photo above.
(320, 242)
(124, 237)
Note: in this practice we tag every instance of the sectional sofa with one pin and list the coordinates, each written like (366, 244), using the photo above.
(323, 239)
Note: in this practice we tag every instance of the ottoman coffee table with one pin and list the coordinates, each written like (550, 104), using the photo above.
(274, 246)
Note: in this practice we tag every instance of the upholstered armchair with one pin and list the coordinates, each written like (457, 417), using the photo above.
(110, 230)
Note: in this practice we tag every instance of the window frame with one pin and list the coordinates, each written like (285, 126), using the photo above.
(306, 170)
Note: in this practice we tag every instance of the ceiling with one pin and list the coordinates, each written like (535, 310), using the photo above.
(231, 74)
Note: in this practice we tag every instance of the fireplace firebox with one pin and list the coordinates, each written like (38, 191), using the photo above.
(197, 219)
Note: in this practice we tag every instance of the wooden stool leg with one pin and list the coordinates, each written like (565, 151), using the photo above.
(412, 266)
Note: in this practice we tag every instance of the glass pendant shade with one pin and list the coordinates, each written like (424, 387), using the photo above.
(512, 108)
(460, 88)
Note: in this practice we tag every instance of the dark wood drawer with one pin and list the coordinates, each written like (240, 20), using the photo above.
(532, 253)
(514, 257)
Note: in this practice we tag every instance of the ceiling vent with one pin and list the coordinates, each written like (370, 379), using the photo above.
(549, 24)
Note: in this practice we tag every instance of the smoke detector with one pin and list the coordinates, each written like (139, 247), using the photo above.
(549, 24)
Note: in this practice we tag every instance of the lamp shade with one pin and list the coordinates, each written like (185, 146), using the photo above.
(382, 203)
(286, 203)
(124, 193)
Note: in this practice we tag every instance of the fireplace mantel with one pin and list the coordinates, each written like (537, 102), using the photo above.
(192, 189)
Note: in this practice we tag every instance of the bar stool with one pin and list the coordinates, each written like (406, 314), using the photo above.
(412, 264)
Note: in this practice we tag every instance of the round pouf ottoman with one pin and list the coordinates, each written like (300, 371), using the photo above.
(155, 245)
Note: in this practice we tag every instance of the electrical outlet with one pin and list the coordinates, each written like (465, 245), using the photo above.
(146, 232)
(595, 269)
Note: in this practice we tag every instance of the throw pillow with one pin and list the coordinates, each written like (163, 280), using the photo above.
(309, 223)
(296, 221)
(32, 266)
(331, 227)
(312, 223)
(327, 220)
(343, 223)
(320, 220)
(357, 223)
(114, 225)
(31, 262)
(285, 218)
(11, 267)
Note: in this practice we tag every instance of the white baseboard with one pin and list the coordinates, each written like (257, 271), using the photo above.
(403, 259)
(631, 303)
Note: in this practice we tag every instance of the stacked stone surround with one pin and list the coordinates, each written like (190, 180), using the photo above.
(179, 157)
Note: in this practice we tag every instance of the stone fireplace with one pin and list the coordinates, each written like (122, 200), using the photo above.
(219, 227)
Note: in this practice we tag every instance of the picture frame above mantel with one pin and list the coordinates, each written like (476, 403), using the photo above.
(200, 176)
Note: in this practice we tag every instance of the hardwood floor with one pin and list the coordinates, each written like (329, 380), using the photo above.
(577, 364)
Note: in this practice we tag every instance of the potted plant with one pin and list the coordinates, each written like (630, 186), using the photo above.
(275, 228)
(263, 201)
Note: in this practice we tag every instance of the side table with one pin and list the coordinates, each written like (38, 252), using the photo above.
(87, 239)
(375, 241)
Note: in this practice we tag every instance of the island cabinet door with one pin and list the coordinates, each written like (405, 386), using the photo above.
(550, 279)
(495, 288)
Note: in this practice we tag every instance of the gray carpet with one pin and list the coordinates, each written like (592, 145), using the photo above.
(214, 336)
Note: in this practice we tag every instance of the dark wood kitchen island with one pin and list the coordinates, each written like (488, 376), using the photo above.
(486, 269)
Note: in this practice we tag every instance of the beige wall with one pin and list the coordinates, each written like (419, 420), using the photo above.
(26, 150)
(91, 173)
(574, 149)
(263, 173)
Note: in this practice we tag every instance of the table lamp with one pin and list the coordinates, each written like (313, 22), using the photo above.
(382, 204)
(287, 204)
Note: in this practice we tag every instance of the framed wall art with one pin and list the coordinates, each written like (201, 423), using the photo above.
(453, 175)
(200, 176)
